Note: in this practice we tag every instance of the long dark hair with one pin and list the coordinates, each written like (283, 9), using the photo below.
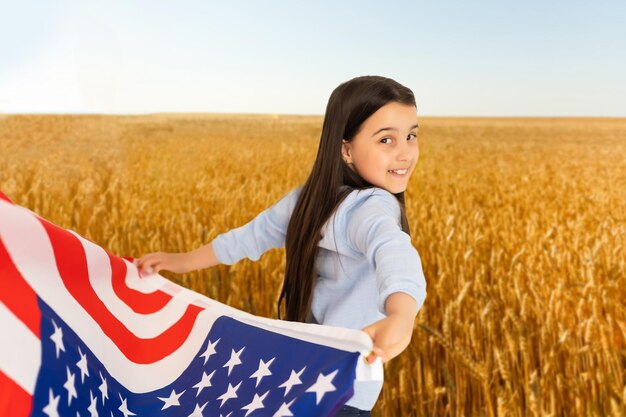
(349, 105)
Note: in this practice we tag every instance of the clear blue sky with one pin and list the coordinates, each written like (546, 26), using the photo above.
(460, 58)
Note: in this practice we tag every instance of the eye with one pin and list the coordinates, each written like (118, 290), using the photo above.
(413, 134)
(384, 139)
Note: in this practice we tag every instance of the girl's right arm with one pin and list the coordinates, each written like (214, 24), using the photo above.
(200, 258)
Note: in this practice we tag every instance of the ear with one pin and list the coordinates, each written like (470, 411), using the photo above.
(345, 151)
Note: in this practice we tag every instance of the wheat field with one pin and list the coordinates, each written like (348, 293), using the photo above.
(520, 224)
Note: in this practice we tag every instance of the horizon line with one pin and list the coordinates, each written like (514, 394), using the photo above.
(479, 116)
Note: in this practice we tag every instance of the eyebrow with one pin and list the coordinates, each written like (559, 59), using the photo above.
(393, 128)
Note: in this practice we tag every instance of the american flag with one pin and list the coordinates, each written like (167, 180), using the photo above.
(83, 335)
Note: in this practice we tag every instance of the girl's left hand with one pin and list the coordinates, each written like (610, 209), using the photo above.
(390, 335)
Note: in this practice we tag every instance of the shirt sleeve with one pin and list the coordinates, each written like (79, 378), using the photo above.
(266, 231)
(374, 229)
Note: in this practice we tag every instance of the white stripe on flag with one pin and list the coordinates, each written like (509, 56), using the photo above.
(145, 326)
(20, 350)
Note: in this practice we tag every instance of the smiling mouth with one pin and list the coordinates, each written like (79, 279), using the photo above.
(399, 172)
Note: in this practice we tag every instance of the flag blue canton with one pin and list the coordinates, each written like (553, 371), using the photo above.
(241, 370)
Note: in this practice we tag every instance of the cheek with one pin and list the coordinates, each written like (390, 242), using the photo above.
(373, 161)
(369, 164)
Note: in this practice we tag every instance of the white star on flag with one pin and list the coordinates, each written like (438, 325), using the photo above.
(57, 338)
(210, 350)
(197, 412)
(103, 388)
(204, 382)
(172, 400)
(284, 410)
(230, 393)
(264, 370)
(257, 402)
(82, 365)
(92, 406)
(124, 408)
(69, 386)
(294, 379)
(322, 386)
(234, 360)
(53, 404)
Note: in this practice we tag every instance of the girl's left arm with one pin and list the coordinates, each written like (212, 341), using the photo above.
(374, 229)
(392, 334)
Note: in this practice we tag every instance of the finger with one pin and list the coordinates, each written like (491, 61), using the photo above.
(371, 357)
(150, 269)
(141, 263)
(378, 351)
(149, 262)
(146, 269)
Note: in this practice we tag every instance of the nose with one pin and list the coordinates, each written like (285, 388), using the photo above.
(404, 151)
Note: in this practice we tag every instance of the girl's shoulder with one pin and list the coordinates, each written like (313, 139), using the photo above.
(374, 200)
(360, 207)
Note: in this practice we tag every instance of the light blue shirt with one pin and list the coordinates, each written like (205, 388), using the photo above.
(364, 256)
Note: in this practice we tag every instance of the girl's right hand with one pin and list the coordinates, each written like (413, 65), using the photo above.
(152, 263)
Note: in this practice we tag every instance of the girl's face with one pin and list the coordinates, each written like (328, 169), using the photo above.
(387, 141)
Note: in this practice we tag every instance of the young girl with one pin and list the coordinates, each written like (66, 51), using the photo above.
(350, 261)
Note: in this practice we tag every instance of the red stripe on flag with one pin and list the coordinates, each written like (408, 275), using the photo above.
(14, 401)
(72, 264)
(17, 295)
(4, 197)
(139, 302)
